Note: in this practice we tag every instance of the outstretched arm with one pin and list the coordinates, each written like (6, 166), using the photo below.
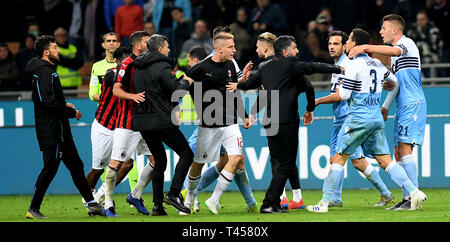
(374, 49)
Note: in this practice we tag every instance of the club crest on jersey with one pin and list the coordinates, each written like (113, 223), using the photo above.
(229, 73)
(122, 73)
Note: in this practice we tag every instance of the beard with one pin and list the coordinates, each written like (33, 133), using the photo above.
(54, 58)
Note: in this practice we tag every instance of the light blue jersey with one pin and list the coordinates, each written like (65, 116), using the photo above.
(410, 118)
(364, 126)
(407, 69)
(340, 109)
(362, 84)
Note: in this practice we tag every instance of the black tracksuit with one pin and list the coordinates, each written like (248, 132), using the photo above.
(53, 130)
(284, 75)
(152, 118)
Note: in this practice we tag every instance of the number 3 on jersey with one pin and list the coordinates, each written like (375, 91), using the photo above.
(373, 74)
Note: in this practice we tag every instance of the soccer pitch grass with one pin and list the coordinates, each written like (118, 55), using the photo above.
(358, 207)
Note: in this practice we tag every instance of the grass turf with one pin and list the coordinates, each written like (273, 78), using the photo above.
(358, 207)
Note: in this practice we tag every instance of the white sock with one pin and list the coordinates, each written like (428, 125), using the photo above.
(224, 181)
(191, 186)
(297, 195)
(100, 193)
(284, 194)
(110, 184)
(368, 171)
(144, 179)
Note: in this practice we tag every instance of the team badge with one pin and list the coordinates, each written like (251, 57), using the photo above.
(229, 73)
(122, 73)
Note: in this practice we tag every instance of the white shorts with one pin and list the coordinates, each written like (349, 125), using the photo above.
(102, 143)
(209, 141)
(125, 142)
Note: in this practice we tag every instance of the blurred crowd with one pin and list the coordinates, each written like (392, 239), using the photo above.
(79, 26)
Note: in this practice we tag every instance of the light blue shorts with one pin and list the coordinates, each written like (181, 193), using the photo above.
(193, 142)
(368, 135)
(333, 141)
(409, 125)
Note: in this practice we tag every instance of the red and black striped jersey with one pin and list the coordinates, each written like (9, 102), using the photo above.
(106, 113)
(125, 107)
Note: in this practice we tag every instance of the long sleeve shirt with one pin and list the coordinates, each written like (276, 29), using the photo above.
(128, 18)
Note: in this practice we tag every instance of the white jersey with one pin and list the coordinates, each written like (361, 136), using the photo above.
(407, 69)
(362, 86)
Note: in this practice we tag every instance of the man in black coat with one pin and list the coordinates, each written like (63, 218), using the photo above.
(53, 132)
(154, 119)
(282, 79)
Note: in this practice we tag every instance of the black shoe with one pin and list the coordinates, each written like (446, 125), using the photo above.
(159, 210)
(34, 214)
(405, 206)
(95, 209)
(177, 202)
(272, 209)
(398, 205)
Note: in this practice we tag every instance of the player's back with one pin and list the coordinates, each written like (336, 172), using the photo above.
(364, 78)
(407, 69)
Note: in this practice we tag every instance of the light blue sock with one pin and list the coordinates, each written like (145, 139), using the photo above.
(243, 184)
(337, 195)
(374, 177)
(331, 183)
(399, 176)
(209, 176)
(409, 165)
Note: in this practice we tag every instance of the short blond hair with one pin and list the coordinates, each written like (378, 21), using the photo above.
(222, 36)
(267, 37)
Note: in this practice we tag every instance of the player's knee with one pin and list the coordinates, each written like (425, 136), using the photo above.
(114, 164)
(360, 164)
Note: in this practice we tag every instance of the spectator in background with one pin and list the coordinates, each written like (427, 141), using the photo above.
(162, 5)
(76, 25)
(428, 39)
(128, 19)
(70, 60)
(94, 27)
(317, 40)
(148, 8)
(33, 29)
(110, 9)
(26, 53)
(9, 71)
(327, 12)
(440, 15)
(182, 31)
(162, 18)
(267, 17)
(60, 10)
(149, 27)
(200, 38)
(242, 38)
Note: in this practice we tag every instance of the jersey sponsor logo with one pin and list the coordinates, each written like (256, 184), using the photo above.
(209, 74)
